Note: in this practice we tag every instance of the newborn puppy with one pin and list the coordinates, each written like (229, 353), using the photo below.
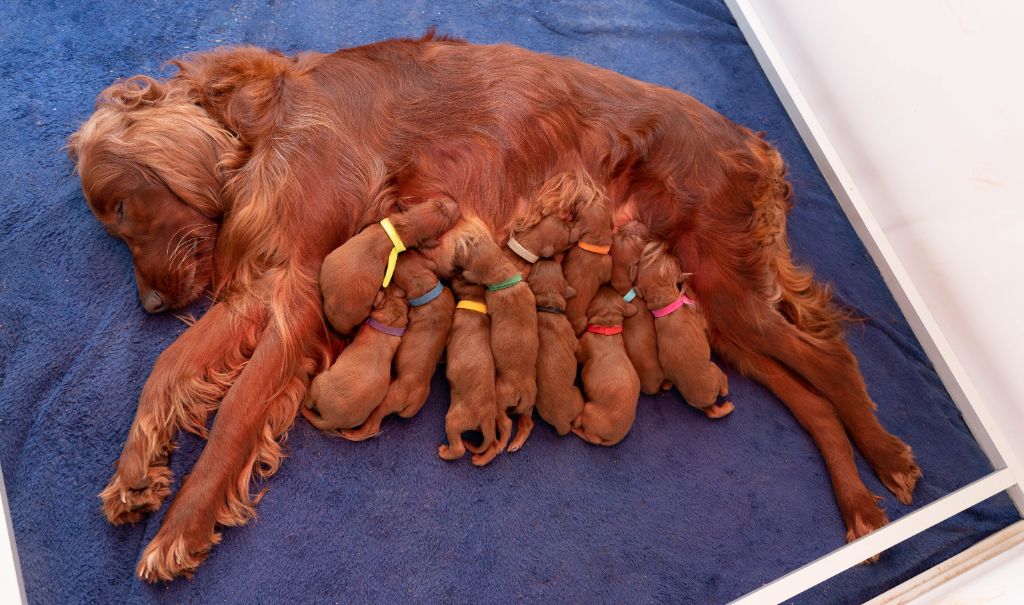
(683, 349)
(637, 331)
(356, 270)
(470, 372)
(609, 380)
(513, 312)
(559, 402)
(548, 237)
(587, 266)
(430, 318)
(343, 396)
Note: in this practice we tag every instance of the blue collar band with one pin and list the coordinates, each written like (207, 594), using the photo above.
(629, 296)
(429, 296)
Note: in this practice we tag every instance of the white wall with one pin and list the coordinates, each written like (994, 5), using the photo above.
(924, 100)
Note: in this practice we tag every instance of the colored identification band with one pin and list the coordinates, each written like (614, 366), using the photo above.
(673, 306)
(604, 330)
(521, 250)
(389, 228)
(472, 305)
(508, 283)
(629, 296)
(551, 310)
(384, 328)
(429, 296)
(594, 248)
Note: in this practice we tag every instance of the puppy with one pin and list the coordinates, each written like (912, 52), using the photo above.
(343, 396)
(559, 402)
(351, 275)
(430, 318)
(609, 380)
(470, 372)
(637, 331)
(587, 265)
(551, 235)
(683, 349)
(513, 312)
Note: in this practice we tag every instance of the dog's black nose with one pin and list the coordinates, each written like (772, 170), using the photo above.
(153, 302)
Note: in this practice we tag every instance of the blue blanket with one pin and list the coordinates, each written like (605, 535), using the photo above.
(684, 510)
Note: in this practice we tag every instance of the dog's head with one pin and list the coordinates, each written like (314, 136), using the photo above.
(660, 278)
(148, 160)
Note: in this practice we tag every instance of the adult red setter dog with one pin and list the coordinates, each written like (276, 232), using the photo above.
(243, 171)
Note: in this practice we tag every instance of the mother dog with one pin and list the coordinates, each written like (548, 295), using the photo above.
(242, 172)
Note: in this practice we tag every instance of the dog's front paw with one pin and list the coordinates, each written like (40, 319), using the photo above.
(174, 553)
(127, 501)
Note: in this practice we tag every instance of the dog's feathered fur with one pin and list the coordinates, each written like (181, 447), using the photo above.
(282, 159)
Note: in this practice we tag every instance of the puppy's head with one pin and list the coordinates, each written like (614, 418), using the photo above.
(627, 247)
(548, 284)
(414, 273)
(608, 308)
(660, 277)
(390, 306)
(466, 290)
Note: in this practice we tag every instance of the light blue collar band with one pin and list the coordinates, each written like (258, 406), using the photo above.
(429, 296)
(629, 296)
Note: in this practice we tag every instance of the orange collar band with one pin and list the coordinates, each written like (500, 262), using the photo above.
(594, 248)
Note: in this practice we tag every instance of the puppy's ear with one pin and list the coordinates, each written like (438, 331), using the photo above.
(402, 204)
(575, 233)
(470, 276)
(570, 292)
(378, 300)
(547, 251)
(629, 310)
(449, 208)
(396, 291)
(634, 270)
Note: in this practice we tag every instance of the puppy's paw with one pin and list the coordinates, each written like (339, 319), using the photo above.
(127, 502)
(171, 554)
(717, 410)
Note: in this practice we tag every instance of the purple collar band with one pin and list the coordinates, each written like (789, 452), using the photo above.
(384, 328)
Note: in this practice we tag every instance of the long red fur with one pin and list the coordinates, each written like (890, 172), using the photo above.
(291, 156)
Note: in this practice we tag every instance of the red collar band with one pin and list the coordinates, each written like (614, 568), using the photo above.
(604, 330)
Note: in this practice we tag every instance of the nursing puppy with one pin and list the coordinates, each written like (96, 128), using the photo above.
(559, 402)
(430, 318)
(551, 235)
(683, 349)
(470, 372)
(609, 380)
(587, 265)
(352, 275)
(513, 312)
(637, 331)
(344, 395)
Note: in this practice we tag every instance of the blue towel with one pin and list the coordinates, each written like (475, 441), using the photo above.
(684, 510)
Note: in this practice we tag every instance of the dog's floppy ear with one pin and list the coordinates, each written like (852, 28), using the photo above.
(397, 291)
(570, 292)
(629, 309)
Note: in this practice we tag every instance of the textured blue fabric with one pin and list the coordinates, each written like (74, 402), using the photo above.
(684, 510)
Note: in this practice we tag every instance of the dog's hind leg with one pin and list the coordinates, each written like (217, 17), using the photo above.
(830, 367)
(857, 505)
(187, 382)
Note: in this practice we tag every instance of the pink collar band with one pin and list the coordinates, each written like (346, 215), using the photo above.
(673, 306)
